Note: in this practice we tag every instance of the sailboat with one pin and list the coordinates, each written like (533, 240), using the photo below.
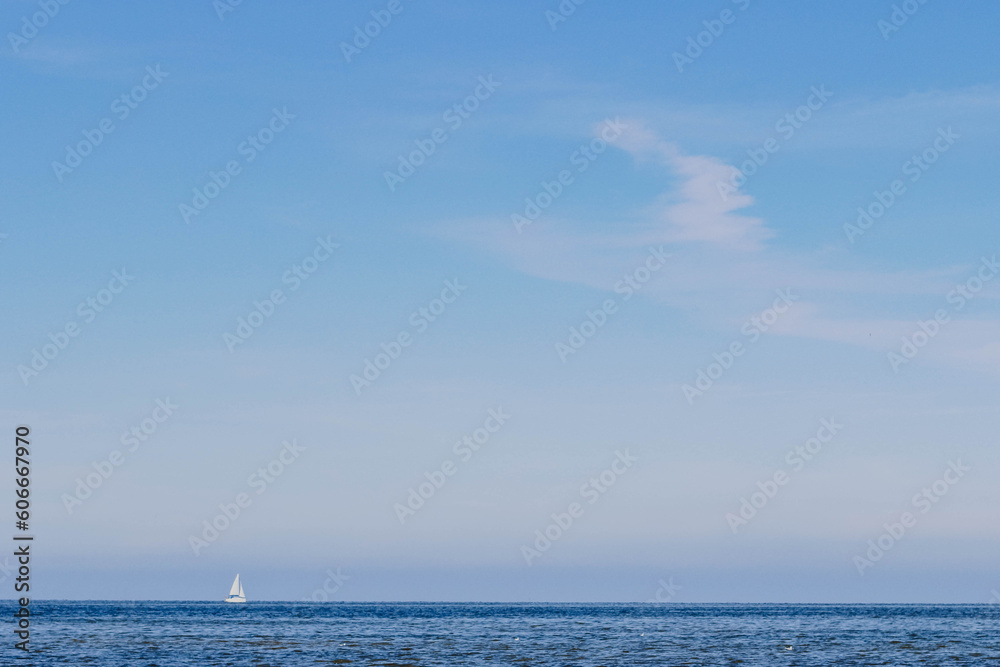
(236, 592)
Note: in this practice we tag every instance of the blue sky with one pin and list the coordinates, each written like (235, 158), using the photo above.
(318, 179)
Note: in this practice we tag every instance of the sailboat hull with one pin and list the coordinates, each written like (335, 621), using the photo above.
(236, 600)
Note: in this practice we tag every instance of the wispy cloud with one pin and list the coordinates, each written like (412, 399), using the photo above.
(695, 211)
(59, 56)
(725, 263)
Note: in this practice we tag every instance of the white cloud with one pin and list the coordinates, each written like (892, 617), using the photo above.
(722, 270)
(696, 211)
(62, 57)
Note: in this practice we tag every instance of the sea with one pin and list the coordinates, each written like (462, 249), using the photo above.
(291, 634)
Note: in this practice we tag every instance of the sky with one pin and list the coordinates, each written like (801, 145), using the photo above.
(526, 301)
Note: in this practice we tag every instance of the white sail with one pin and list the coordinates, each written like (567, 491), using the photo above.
(236, 591)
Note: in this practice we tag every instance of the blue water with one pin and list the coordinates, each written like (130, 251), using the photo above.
(291, 634)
